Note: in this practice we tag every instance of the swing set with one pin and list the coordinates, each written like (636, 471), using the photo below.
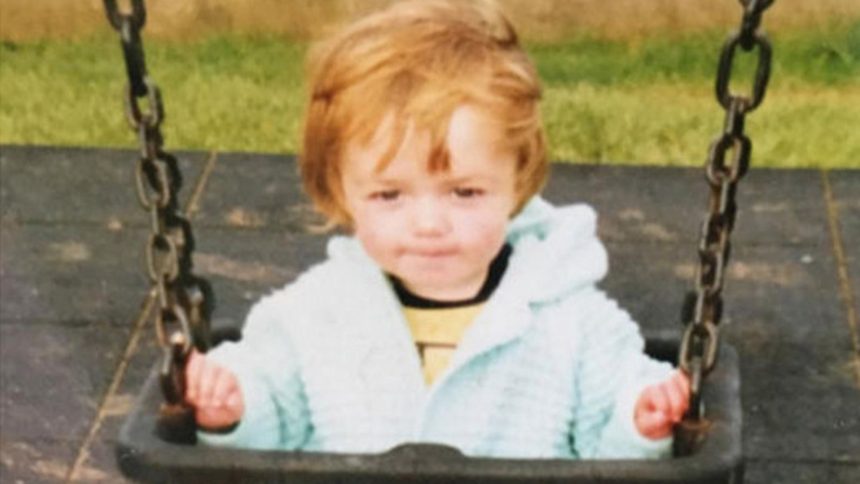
(157, 441)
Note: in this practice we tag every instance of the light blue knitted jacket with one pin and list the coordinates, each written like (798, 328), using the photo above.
(550, 368)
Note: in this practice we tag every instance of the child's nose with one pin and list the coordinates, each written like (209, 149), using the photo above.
(430, 217)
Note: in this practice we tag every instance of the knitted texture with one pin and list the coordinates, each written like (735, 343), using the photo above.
(550, 368)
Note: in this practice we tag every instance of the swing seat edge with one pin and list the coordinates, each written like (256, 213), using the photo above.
(144, 457)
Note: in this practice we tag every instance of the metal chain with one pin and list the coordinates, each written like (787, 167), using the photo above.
(727, 162)
(185, 301)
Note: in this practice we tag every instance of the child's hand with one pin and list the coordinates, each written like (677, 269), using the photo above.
(214, 393)
(662, 405)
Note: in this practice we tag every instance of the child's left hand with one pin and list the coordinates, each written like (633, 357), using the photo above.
(661, 406)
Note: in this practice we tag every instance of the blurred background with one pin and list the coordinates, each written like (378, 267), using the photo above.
(626, 81)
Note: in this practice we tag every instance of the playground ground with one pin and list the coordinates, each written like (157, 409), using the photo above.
(73, 356)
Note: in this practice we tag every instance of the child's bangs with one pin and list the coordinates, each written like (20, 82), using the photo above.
(400, 106)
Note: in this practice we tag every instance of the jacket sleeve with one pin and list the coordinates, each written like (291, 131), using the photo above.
(612, 371)
(266, 365)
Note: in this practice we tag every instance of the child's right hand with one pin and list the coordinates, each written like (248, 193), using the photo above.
(214, 393)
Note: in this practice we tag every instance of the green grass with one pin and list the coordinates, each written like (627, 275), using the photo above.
(820, 58)
(226, 94)
(649, 102)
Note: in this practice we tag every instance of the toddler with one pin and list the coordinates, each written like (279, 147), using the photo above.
(462, 308)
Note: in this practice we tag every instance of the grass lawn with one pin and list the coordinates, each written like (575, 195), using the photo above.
(643, 102)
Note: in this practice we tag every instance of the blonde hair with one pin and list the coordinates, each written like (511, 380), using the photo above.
(419, 60)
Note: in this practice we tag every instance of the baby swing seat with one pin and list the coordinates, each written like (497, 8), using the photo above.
(144, 456)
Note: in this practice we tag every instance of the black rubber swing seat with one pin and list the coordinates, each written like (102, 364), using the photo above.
(143, 456)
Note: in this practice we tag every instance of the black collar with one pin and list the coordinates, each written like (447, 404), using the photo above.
(494, 277)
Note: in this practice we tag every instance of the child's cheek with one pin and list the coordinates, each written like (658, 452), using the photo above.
(378, 235)
(485, 228)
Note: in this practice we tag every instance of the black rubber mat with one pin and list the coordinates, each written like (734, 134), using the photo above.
(72, 286)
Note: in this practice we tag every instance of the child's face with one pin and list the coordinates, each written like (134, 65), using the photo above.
(436, 232)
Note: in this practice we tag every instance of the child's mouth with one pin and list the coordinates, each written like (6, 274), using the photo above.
(433, 253)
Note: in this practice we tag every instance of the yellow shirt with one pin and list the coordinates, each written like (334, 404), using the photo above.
(437, 332)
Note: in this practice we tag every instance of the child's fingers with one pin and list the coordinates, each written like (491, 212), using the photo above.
(208, 379)
(192, 376)
(681, 386)
(676, 398)
(650, 423)
(235, 405)
(215, 418)
(657, 399)
(221, 413)
(653, 424)
(214, 393)
(224, 385)
(662, 405)
(234, 400)
(685, 383)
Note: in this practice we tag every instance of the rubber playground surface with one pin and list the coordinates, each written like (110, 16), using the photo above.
(73, 287)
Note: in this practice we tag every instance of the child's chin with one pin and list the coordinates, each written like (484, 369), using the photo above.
(438, 288)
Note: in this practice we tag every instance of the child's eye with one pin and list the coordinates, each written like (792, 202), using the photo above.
(467, 192)
(386, 195)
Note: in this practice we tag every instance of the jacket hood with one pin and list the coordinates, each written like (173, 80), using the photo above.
(556, 250)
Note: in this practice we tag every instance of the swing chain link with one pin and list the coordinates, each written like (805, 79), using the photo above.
(184, 300)
(727, 162)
